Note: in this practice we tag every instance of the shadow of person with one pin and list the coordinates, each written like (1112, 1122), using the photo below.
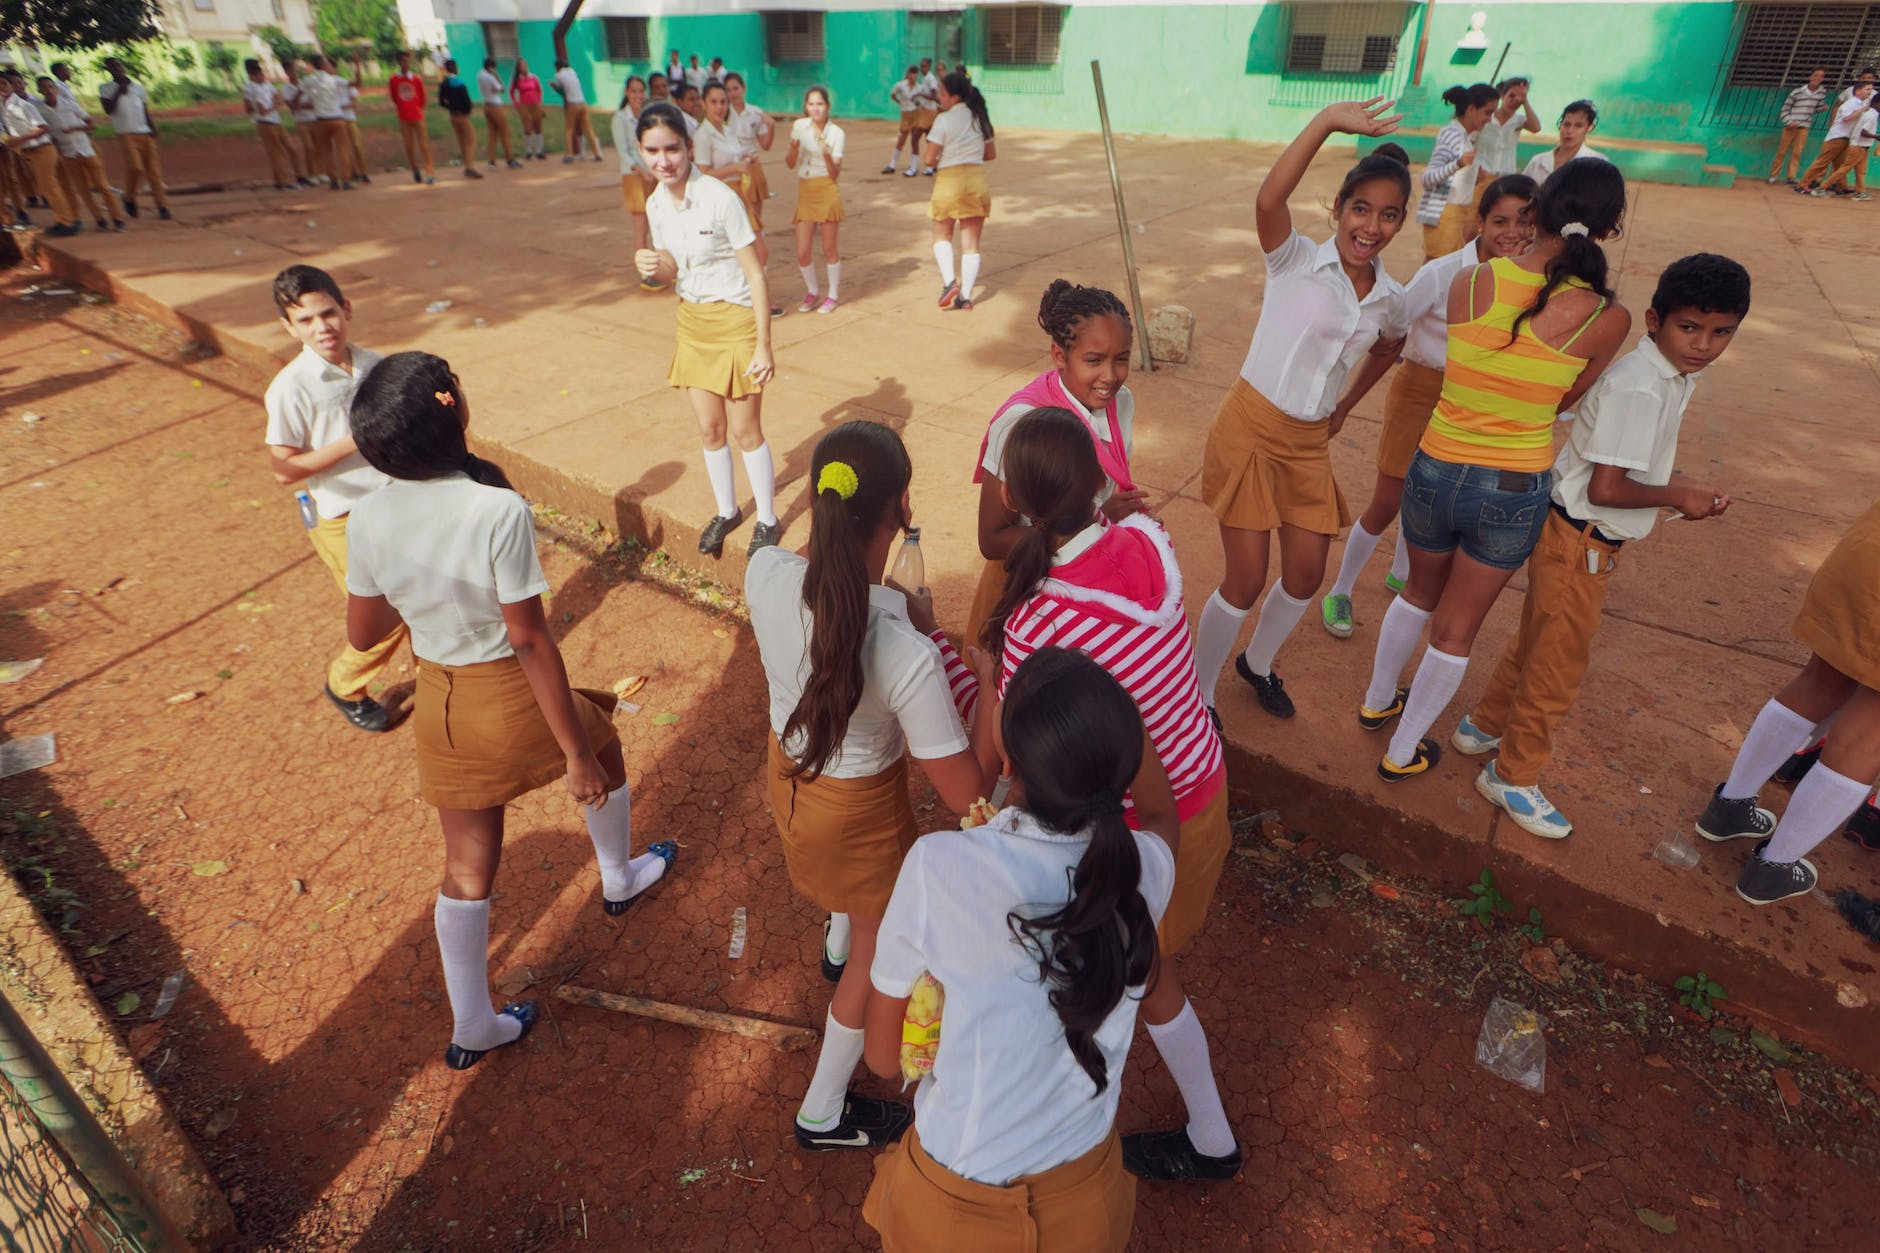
(888, 404)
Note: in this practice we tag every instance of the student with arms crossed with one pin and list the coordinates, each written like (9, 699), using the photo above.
(495, 117)
(1798, 114)
(1614, 473)
(262, 103)
(28, 135)
(128, 105)
(80, 167)
(454, 94)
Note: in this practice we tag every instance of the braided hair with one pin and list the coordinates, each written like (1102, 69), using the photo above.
(1066, 306)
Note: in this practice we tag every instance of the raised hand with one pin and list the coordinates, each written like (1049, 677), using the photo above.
(1362, 117)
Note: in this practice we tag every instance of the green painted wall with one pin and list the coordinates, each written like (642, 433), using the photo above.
(1650, 66)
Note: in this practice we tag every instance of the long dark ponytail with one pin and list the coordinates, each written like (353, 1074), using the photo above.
(1050, 468)
(1582, 203)
(957, 84)
(858, 475)
(407, 418)
(1075, 741)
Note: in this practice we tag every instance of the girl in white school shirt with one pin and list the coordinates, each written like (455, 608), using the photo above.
(1268, 466)
(959, 144)
(858, 679)
(635, 180)
(755, 133)
(449, 549)
(702, 240)
(816, 147)
(717, 153)
(1449, 179)
(1040, 925)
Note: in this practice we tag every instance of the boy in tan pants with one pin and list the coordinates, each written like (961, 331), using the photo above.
(81, 169)
(129, 108)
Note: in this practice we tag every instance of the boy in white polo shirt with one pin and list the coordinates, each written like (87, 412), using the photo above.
(129, 106)
(310, 443)
(1613, 475)
(81, 169)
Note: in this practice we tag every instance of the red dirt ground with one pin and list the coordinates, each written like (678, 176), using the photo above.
(148, 555)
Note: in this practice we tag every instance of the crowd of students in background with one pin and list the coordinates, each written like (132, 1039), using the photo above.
(1840, 167)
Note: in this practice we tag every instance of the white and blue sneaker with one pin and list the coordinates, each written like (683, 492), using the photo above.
(1471, 741)
(1531, 811)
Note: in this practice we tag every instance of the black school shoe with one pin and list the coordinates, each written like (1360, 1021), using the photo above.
(711, 540)
(1864, 827)
(866, 1123)
(1270, 690)
(1797, 767)
(364, 713)
(524, 1012)
(1734, 819)
(831, 971)
(1766, 882)
(1429, 752)
(1172, 1157)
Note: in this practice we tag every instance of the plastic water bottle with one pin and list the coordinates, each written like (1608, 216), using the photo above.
(309, 516)
(909, 570)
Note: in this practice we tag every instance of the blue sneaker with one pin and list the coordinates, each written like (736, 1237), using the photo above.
(1471, 741)
(1531, 811)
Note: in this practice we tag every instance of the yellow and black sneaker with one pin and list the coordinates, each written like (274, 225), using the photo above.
(1428, 754)
(1374, 719)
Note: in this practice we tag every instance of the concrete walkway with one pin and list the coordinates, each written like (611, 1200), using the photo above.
(564, 362)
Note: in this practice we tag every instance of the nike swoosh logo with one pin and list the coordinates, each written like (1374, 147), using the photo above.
(859, 1140)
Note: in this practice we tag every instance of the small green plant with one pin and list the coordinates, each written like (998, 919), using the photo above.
(1485, 900)
(1532, 928)
(1699, 992)
(223, 59)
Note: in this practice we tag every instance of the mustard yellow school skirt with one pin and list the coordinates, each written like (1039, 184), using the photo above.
(1840, 618)
(1263, 468)
(960, 192)
(924, 119)
(910, 121)
(714, 348)
(1407, 409)
(1199, 858)
(817, 200)
(633, 191)
(1447, 235)
(482, 739)
(843, 839)
(1087, 1205)
(747, 188)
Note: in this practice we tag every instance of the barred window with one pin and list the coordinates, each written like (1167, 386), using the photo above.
(1023, 34)
(626, 39)
(940, 35)
(1783, 43)
(500, 39)
(1344, 38)
(793, 36)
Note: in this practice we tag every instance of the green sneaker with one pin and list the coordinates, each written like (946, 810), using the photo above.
(1394, 583)
(1335, 612)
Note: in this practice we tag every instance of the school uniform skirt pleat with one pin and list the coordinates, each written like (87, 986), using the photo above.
(1840, 617)
(482, 739)
(748, 189)
(715, 345)
(960, 192)
(1199, 859)
(1263, 468)
(1087, 1205)
(1407, 408)
(817, 200)
(633, 191)
(843, 839)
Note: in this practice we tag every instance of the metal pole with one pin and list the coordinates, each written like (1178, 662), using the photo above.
(1122, 222)
(1496, 76)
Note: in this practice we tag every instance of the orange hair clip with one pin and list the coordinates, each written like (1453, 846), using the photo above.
(447, 399)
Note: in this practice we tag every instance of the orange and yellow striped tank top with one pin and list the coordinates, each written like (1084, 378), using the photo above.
(1500, 399)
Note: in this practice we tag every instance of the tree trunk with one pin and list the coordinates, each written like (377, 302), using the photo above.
(562, 24)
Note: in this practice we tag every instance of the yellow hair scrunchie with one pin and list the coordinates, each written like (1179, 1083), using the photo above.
(839, 477)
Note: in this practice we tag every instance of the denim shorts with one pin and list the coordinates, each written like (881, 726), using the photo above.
(1446, 505)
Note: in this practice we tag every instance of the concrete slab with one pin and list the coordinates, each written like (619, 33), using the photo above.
(566, 375)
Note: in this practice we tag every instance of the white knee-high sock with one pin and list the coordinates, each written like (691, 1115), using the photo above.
(1400, 561)
(894, 158)
(1777, 733)
(836, 944)
(1359, 545)
(1279, 614)
(1823, 801)
(623, 876)
(1396, 639)
(463, 941)
(809, 279)
(762, 472)
(969, 274)
(841, 1050)
(1214, 640)
(943, 256)
(1437, 678)
(835, 279)
(724, 487)
(1184, 1049)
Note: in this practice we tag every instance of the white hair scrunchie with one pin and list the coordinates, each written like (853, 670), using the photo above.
(1574, 228)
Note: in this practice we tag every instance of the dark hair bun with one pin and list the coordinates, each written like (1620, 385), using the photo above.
(1457, 96)
(1394, 151)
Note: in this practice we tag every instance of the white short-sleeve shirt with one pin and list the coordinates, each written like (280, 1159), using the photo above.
(703, 232)
(1629, 418)
(712, 147)
(349, 106)
(1426, 306)
(813, 150)
(904, 94)
(1006, 1097)
(1542, 164)
(490, 87)
(67, 119)
(266, 100)
(1498, 145)
(570, 84)
(1847, 118)
(130, 110)
(298, 100)
(308, 407)
(993, 463)
(747, 128)
(448, 554)
(1313, 328)
(906, 705)
(626, 143)
(928, 92)
(957, 133)
(325, 94)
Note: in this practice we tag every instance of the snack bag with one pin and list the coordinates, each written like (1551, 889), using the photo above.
(920, 1029)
